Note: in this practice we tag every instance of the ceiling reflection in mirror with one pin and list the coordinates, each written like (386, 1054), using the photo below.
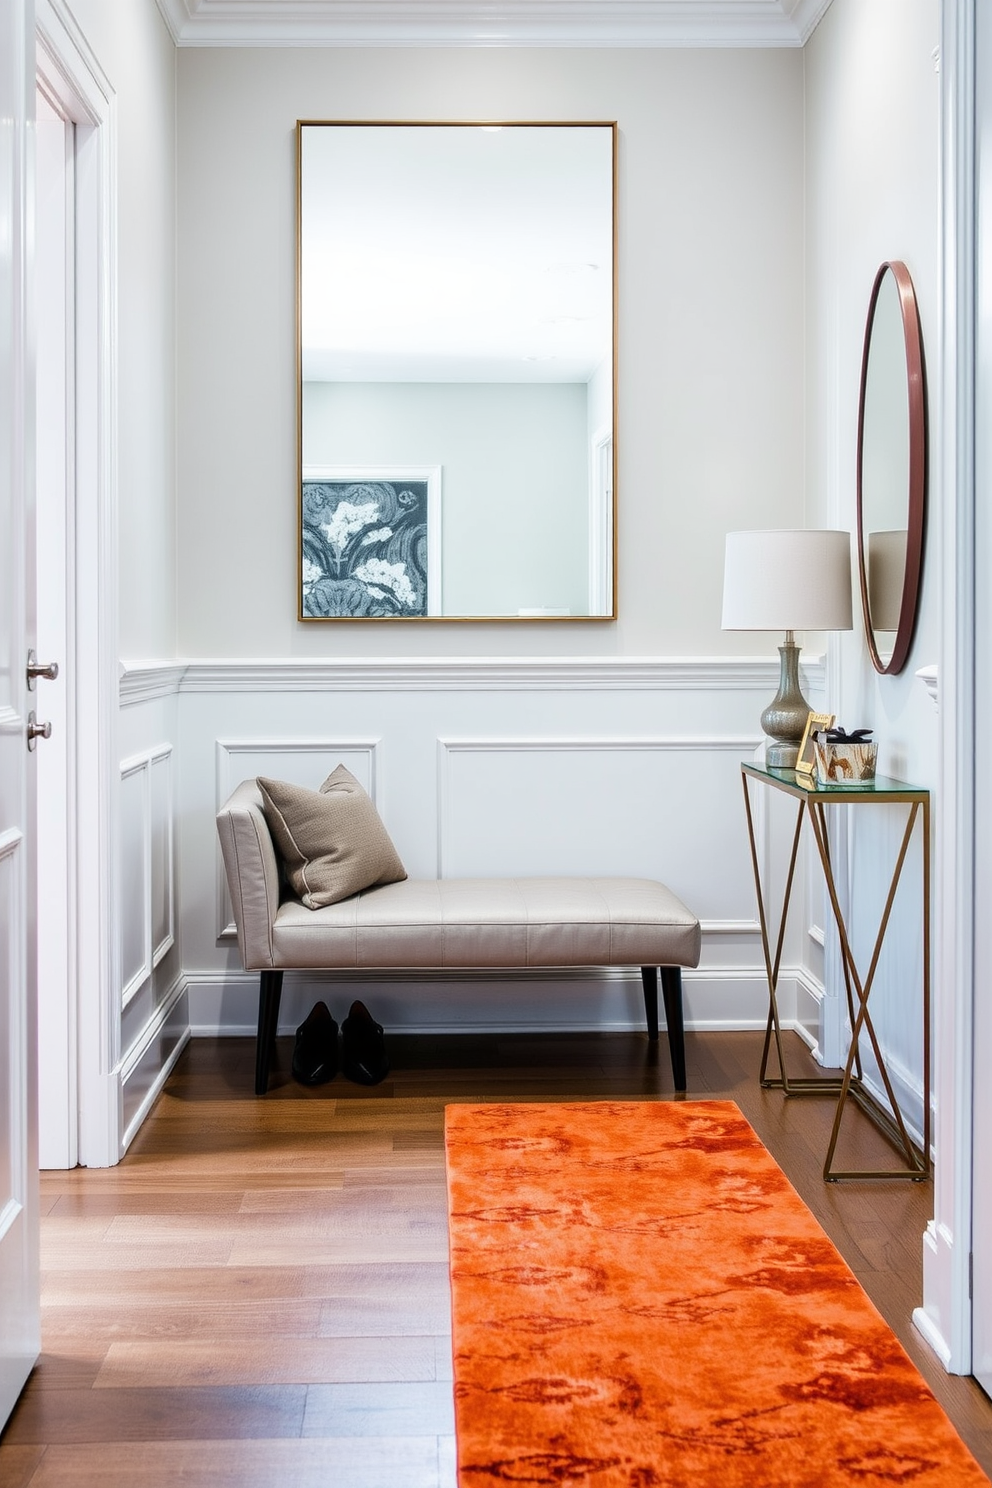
(457, 371)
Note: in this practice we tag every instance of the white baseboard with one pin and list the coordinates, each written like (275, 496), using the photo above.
(908, 1088)
(909, 1095)
(226, 1004)
(809, 1002)
(932, 1336)
(152, 1058)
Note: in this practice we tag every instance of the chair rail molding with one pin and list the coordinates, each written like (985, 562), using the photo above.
(142, 681)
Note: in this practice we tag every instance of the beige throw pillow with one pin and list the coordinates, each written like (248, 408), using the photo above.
(332, 841)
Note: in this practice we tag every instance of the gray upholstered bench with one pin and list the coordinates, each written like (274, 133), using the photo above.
(439, 924)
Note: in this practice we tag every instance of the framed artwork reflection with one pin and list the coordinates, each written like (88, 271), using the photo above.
(370, 544)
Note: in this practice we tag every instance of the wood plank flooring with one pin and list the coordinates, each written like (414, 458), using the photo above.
(258, 1296)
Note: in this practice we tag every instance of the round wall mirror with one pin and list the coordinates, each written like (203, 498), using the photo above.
(892, 467)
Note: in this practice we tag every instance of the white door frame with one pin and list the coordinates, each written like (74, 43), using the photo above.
(72, 78)
(962, 959)
(981, 1362)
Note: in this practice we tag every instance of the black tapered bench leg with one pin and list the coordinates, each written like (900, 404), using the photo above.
(671, 988)
(269, 994)
(649, 978)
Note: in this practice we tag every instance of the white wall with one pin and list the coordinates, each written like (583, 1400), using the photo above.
(136, 52)
(635, 764)
(710, 427)
(872, 135)
(514, 463)
(730, 162)
(872, 132)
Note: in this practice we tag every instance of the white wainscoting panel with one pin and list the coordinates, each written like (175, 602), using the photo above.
(495, 766)
(161, 877)
(147, 892)
(301, 762)
(135, 838)
(666, 808)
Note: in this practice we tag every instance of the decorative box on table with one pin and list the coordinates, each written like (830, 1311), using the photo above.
(850, 763)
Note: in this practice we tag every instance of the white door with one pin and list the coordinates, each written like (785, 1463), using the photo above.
(19, 1282)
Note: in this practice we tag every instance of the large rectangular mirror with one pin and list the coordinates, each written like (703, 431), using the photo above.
(457, 371)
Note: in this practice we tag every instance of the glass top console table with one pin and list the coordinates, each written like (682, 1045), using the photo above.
(812, 800)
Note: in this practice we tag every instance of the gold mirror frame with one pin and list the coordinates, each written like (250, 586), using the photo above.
(916, 495)
(608, 536)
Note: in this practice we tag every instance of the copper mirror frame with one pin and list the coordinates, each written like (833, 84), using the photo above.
(904, 607)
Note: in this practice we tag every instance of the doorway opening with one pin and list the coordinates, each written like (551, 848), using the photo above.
(72, 599)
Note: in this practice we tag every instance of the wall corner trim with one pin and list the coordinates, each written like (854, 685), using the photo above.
(929, 676)
(142, 681)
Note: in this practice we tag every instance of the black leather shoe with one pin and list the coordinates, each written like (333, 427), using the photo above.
(364, 1042)
(315, 1055)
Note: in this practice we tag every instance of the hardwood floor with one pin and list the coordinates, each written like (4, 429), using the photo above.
(257, 1295)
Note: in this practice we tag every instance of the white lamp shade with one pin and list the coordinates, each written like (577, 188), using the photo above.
(787, 580)
(886, 577)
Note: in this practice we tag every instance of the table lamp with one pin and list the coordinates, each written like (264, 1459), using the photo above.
(787, 580)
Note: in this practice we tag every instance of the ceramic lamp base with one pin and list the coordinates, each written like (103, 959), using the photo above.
(781, 756)
(784, 720)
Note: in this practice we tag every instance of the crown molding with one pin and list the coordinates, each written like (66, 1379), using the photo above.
(491, 23)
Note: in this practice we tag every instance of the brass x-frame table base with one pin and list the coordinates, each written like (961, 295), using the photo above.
(850, 1084)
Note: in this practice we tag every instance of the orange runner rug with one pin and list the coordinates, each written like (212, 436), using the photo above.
(641, 1298)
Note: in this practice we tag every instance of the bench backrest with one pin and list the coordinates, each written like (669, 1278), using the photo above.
(252, 873)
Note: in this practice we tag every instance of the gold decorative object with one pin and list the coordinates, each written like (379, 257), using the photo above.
(815, 723)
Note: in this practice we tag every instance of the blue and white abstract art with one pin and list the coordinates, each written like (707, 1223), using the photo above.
(365, 549)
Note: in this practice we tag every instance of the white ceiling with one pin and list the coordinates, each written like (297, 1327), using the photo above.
(587, 23)
(455, 254)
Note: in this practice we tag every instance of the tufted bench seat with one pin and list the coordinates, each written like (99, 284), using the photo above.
(477, 923)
